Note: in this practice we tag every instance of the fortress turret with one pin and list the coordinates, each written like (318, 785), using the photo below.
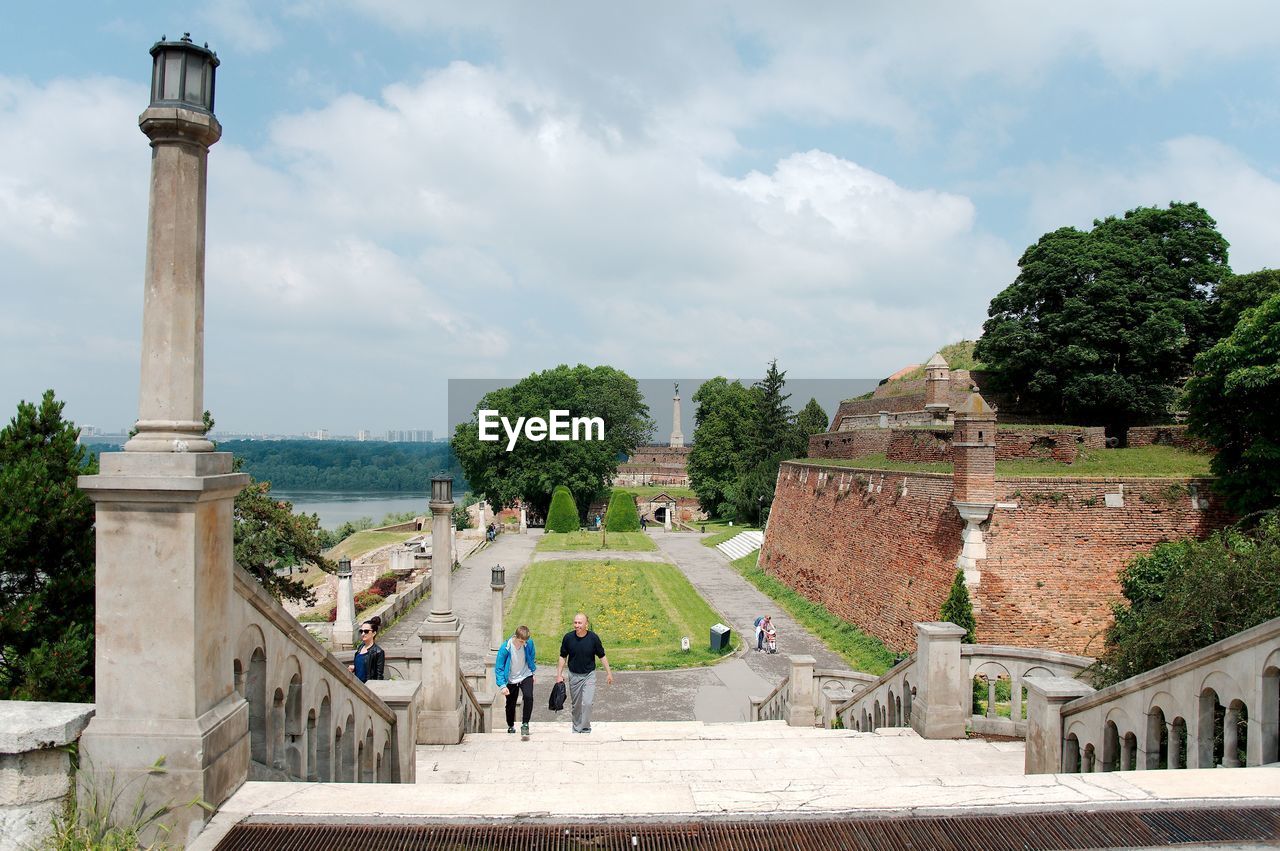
(937, 380)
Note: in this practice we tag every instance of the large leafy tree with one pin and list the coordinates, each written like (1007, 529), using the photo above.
(1101, 325)
(1233, 401)
(720, 435)
(46, 558)
(1238, 293)
(270, 537)
(533, 468)
(810, 421)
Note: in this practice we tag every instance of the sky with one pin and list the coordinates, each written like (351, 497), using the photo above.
(407, 192)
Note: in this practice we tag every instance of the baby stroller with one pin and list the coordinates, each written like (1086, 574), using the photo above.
(770, 639)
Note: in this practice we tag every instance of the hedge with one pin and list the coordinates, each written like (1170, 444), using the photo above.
(621, 515)
(563, 514)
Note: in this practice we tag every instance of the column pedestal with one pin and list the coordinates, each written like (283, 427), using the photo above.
(440, 721)
(163, 657)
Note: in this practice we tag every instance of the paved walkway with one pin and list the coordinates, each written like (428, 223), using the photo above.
(719, 692)
(688, 771)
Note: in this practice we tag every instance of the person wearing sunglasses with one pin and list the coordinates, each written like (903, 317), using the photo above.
(369, 661)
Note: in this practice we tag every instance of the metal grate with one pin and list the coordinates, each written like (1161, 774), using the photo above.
(1009, 832)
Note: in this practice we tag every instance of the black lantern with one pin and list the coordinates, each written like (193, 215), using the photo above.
(182, 74)
(442, 488)
(344, 568)
(498, 576)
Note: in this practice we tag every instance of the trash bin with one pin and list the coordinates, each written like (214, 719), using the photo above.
(719, 638)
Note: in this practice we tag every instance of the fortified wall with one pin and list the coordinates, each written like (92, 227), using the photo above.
(1040, 556)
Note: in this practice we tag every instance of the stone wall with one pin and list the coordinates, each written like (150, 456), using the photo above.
(1167, 435)
(918, 444)
(35, 766)
(879, 548)
(934, 444)
(849, 444)
(1059, 444)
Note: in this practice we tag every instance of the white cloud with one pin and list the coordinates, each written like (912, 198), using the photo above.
(1244, 201)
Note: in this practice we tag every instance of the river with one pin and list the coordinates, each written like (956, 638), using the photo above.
(337, 507)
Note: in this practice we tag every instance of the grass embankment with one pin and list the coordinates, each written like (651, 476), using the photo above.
(640, 610)
(1137, 462)
(356, 545)
(646, 492)
(580, 541)
(863, 652)
(726, 532)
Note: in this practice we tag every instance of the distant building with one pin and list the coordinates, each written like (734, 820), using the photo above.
(318, 434)
(362, 435)
(411, 435)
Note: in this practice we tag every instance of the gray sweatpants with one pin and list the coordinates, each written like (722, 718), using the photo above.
(582, 692)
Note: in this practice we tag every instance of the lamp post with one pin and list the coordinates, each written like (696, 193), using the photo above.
(164, 505)
(497, 583)
(344, 622)
(440, 721)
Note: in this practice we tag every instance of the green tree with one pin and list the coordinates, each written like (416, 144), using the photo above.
(621, 516)
(958, 609)
(810, 421)
(46, 558)
(1100, 326)
(1185, 595)
(720, 435)
(1238, 293)
(753, 493)
(563, 514)
(533, 468)
(773, 438)
(1233, 402)
(270, 537)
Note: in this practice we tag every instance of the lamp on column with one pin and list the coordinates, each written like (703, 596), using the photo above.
(182, 74)
(498, 576)
(442, 488)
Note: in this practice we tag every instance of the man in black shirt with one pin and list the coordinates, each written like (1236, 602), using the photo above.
(580, 649)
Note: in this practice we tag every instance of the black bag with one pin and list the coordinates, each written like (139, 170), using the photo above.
(556, 701)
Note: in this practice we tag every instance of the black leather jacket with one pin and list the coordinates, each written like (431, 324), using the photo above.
(375, 662)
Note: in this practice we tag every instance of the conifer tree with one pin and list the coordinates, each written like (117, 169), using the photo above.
(563, 514)
(958, 609)
(621, 515)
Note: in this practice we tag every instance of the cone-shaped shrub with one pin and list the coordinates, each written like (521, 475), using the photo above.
(562, 516)
(622, 516)
(958, 609)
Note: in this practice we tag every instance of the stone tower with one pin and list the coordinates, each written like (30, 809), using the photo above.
(937, 380)
(973, 450)
(677, 437)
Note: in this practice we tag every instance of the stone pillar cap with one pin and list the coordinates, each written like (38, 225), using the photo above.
(1057, 688)
(803, 660)
(937, 361)
(939, 629)
(29, 725)
(975, 407)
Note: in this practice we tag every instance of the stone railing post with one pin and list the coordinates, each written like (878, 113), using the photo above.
(800, 707)
(344, 623)
(36, 765)
(1045, 698)
(402, 697)
(944, 696)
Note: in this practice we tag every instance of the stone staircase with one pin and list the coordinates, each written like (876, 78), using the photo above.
(741, 545)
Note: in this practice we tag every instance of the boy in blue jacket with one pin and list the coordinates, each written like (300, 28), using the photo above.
(514, 675)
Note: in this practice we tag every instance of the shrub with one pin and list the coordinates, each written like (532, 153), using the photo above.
(621, 515)
(324, 615)
(367, 599)
(1185, 595)
(958, 609)
(384, 586)
(563, 514)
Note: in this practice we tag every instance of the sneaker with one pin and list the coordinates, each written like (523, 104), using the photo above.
(524, 729)
(511, 729)
(585, 730)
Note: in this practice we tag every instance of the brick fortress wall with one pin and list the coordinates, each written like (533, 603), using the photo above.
(928, 444)
(879, 548)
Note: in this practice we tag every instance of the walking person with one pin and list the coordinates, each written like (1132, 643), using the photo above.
(579, 650)
(514, 676)
(370, 661)
(763, 624)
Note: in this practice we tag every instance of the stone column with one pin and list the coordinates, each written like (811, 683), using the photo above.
(800, 706)
(35, 763)
(402, 697)
(441, 719)
(164, 571)
(344, 624)
(941, 707)
(677, 437)
(666, 517)
(1045, 698)
(524, 521)
(974, 483)
(496, 633)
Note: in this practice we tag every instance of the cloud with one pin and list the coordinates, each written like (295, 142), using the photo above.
(1244, 201)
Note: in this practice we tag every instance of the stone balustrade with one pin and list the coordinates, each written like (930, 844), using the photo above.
(1217, 706)
(995, 662)
(35, 766)
(309, 717)
(775, 705)
(832, 688)
(884, 702)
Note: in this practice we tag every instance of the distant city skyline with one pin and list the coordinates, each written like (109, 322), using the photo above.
(407, 193)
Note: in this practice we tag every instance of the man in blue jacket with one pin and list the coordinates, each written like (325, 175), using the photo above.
(514, 675)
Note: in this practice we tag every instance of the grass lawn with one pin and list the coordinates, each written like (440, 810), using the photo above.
(725, 533)
(1138, 462)
(580, 541)
(362, 542)
(863, 652)
(647, 491)
(640, 610)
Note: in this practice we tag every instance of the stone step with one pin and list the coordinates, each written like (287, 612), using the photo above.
(741, 544)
